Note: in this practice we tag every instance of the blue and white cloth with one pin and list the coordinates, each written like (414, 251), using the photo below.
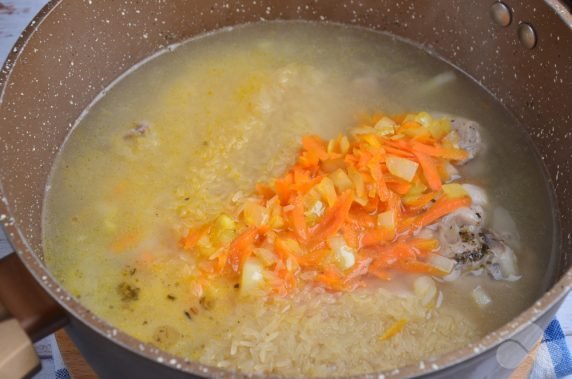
(52, 363)
(553, 359)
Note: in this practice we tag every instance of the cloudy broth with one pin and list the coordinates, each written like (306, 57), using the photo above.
(171, 144)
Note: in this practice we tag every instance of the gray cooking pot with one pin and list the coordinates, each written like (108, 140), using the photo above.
(73, 49)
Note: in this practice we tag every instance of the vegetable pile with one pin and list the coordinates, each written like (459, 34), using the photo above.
(348, 209)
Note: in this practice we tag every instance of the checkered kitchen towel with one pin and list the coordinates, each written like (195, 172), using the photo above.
(553, 359)
(52, 362)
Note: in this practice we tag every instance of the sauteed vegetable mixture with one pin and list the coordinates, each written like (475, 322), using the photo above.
(350, 207)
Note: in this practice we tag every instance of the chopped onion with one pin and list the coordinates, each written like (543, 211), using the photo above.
(317, 209)
(255, 214)
(481, 297)
(439, 128)
(507, 263)
(430, 297)
(345, 255)
(385, 126)
(341, 180)
(401, 167)
(359, 186)
(426, 290)
(422, 284)
(223, 230)
(225, 222)
(252, 277)
(266, 256)
(454, 190)
(452, 172)
(386, 219)
(442, 263)
(327, 189)
(423, 118)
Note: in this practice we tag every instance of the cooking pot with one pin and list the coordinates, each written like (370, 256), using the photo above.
(521, 51)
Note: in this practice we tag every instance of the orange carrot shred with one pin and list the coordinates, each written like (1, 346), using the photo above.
(333, 219)
(421, 201)
(442, 207)
(314, 144)
(351, 236)
(298, 219)
(377, 175)
(241, 248)
(376, 236)
(429, 171)
(264, 190)
(439, 151)
(332, 280)
(399, 187)
(284, 188)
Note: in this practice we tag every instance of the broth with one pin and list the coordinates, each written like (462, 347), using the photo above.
(171, 144)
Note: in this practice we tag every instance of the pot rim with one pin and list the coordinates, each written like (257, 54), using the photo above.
(74, 308)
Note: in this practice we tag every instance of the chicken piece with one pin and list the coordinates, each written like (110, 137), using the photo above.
(458, 232)
(469, 136)
(504, 264)
(462, 237)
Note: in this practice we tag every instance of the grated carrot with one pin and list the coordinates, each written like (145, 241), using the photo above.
(321, 225)
(333, 220)
(429, 170)
(241, 248)
(442, 207)
(393, 330)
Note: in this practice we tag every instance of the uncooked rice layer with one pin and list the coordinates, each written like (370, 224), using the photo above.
(296, 336)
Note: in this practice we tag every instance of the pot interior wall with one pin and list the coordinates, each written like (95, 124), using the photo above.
(83, 46)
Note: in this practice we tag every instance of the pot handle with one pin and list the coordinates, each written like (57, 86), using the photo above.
(27, 313)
